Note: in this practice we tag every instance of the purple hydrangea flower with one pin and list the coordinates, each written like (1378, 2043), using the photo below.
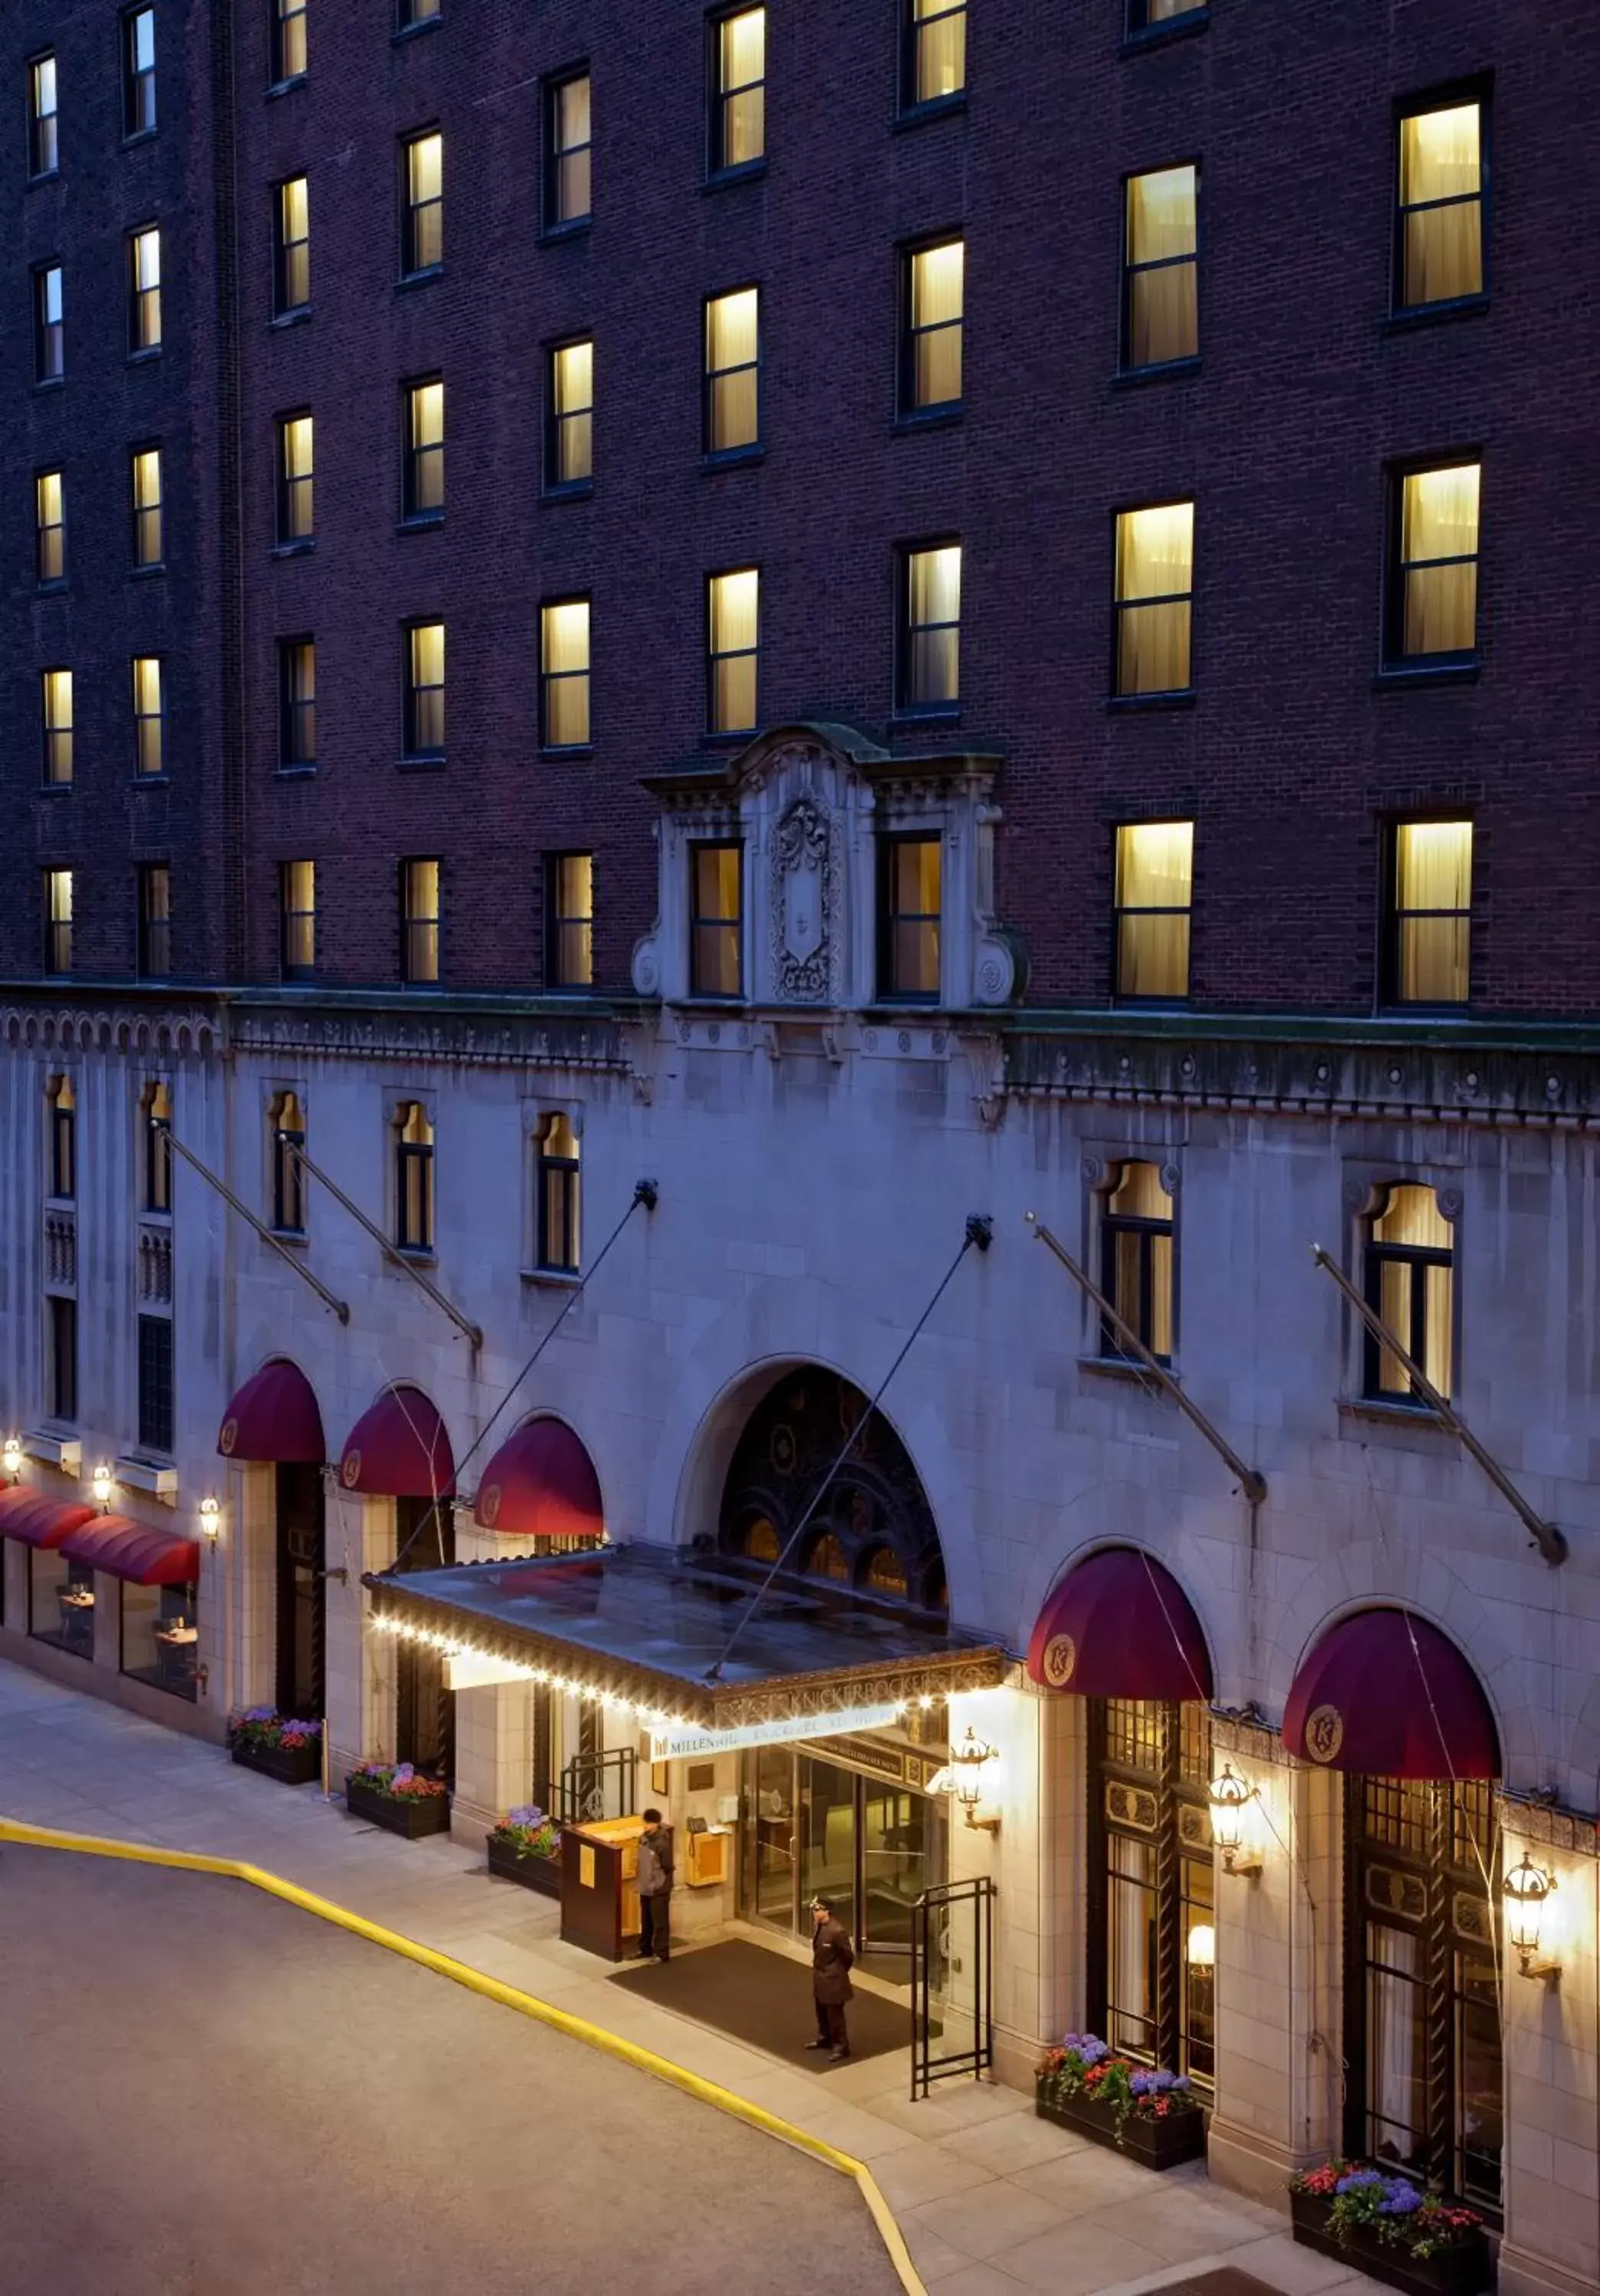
(1358, 2178)
(259, 1714)
(1401, 2199)
(402, 1774)
(530, 1814)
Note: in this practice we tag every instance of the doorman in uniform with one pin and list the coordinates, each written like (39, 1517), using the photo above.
(655, 1888)
(832, 1955)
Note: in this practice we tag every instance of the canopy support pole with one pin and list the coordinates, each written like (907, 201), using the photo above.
(396, 1258)
(176, 1148)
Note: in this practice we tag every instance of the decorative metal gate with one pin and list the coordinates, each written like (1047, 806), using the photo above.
(952, 1984)
(600, 1785)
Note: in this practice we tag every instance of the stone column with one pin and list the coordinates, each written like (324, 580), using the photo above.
(361, 1664)
(494, 1756)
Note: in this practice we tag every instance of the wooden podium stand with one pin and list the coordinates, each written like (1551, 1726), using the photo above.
(599, 1890)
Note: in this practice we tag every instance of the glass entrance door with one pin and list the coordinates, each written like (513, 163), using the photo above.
(770, 1884)
(902, 1853)
(814, 1828)
(827, 1840)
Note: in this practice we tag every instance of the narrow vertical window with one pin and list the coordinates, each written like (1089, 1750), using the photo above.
(292, 285)
(1135, 1260)
(559, 1197)
(150, 714)
(62, 1336)
(738, 90)
(422, 232)
(733, 421)
(414, 13)
(419, 923)
(570, 446)
(931, 319)
(424, 728)
(149, 520)
(44, 141)
(1155, 891)
(50, 526)
(423, 490)
(288, 1126)
(155, 1383)
(155, 921)
(1434, 602)
(1438, 256)
(55, 699)
(1160, 305)
(414, 1177)
(564, 674)
(1410, 1281)
(733, 640)
(910, 918)
(715, 920)
(933, 53)
(289, 51)
(1430, 912)
(58, 920)
(49, 325)
(297, 494)
(1155, 587)
(297, 919)
(138, 71)
(568, 920)
(930, 646)
(1150, 15)
(61, 1147)
(297, 701)
(145, 289)
(569, 129)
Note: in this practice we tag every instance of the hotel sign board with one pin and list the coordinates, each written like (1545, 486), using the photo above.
(674, 1745)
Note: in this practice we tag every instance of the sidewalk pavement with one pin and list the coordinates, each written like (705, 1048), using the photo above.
(991, 2200)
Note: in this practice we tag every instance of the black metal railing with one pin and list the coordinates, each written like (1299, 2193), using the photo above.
(600, 1785)
(952, 1984)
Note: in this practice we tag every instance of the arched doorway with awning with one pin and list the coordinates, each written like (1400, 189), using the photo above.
(274, 1421)
(1118, 1631)
(399, 1450)
(1385, 1698)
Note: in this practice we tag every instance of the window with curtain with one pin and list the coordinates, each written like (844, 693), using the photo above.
(733, 651)
(288, 39)
(1160, 309)
(910, 917)
(149, 508)
(1438, 257)
(150, 716)
(1155, 591)
(1411, 1282)
(297, 495)
(738, 125)
(930, 646)
(1434, 602)
(560, 1181)
(55, 699)
(732, 413)
(715, 920)
(414, 1177)
(297, 702)
(1155, 892)
(293, 217)
(932, 303)
(564, 674)
(1135, 1260)
(1431, 895)
(933, 52)
(568, 920)
(570, 442)
(419, 923)
(423, 220)
(422, 489)
(569, 189)
(297, 919)
(424, 728)
(145, 289)
(58, 920)
(287, 1133)
(50, 527)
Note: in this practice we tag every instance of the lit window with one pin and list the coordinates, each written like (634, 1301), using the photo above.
(564, 674)
(1433, 604)
(732, 371)
(288, 39)
(424, 728)
(138, 71)
(287, 1121)
(882, 1571)
(1440, 257)
(1155, 584)
(1160, 316)
(1136, 1261)
(738, 90)
(931, 310)
(826, 1558)
(293, 281)
(297, 701)
(418, 12)
(61, 1144)
(422, 494)
(1410, 1263)
(148, 536)
(909, 918)
(422, 230)
(155, 921)
(50, 526)
(155, 1129)
(930, 646)
(150, 714)
(58, 920)
(567, 188)
(414, 1177)
(1430, 915)
(933, 62)
(560, 1186)
(570, 453)
(419, 923)
(1156, 889)
(569, 921)
(1149, 15)
(145, 289)
(44, 125)
(55, 694)
(733, 635)
(297, 919)
(297, 495)
(716, 954)
(49, 325)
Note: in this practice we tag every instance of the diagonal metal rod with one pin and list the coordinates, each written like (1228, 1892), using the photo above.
(980, 1231)
(463, 1323)
(1551, 1543)
(1252, 1482)
(176, 1148)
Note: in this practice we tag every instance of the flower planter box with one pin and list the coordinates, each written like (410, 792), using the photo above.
(540, 1873)
(291, 1766)
(410, 1816)
(1153, 2143)
(1466, 2270)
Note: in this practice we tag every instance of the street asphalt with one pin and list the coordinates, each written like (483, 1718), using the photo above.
(204, 2092)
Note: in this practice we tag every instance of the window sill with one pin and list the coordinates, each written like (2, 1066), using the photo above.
(280, 320)
(424, 522)
(300, 548)
(554, 1279)
(578, 227)
(55, 789)
(288, 1235)
(285, 86)
(408, 280)
(1133, 378)
(303, 770)
(1158, 36)
(431, 763)
(1433, 315)
(1129, 1373)
(912, 721)
(1402, 677)
(140, 136)
(576, 490)
(723, 179)
(927, 418)
(417, 1255)
(55, 589)
(146, 573)
(733, 458)
(938, 107)
(406, 32)
(45, 176)
(1119, 704)
(152, 781)
(1151, 1003)
(1399, 1426)
(567, 750)
(49, 383)
(145, 357)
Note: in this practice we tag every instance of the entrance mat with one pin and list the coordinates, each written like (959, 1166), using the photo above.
(765, 2000)
(1228, 2280)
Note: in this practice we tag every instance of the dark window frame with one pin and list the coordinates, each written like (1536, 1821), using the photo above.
(415, 262)
(139, 112)
(290, 255)
(156, 1384)
(415, 1182)
(752, 653)
(907, 408)
(61, 1360)
(1114, 1226)
(1397, 567)
(154, 952)
(712, 375)
(560, 924)
(1395, 917)
(49, 335)
(1142, 26)
(145, 772)
(913, 106)
(146, 514)
(44, 128)
(1123, 607)
(57, 761)
(296, 490)
(155, 1166)
(58, 931)
(1132, 271)
(558, 1203)
(1417, 1258)
(417, 16)
(42, 529)
(906, 705)
(888, 989)
(422, 930)
(719, 169)
(288, 1206)
(558, 156)
(417, 459)
(1448, 98)
(62, 1142)
(700, 923)
(289, 34)
(142, 299)
(550, 678)
(557, 419)
(415, 696)
(1120, 909)
(297, 709)
(295, 922)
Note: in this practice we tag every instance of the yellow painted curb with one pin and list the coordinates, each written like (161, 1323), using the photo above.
(510, 1996)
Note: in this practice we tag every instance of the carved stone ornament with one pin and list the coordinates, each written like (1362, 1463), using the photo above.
(804, 905)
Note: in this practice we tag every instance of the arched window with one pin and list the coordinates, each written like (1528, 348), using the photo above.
(826, 1558)
(559, 1200)
(761, 1541)
(414, 1177)
(1410, 1282)
(62, 1146)
(882, 1571)
(288, 1135)
(1135, 1260)
(155, 1123)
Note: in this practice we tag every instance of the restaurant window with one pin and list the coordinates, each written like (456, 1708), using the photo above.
(62, 1358)
(161, 1637)
(287, 1134)
(1439, 220)
(1434, 565)
(138, 71)
(1161, 310)
(1410, 1286)
(568, 132)
(568, 920)
(297, 701)
(1155, 586)
(1151, 15)
(1429, 912)
(57, 921)
(928, 678)
(148, 507)
(564, 674)
(732, 413)
(155, 920)
(423, 733)
(297, 919)
(155, 1125)
(291, 283)
(422, 489)
(570, 440)
(297, 498)
(60, 1601)
(144, 290)
(56, 704)
(1155, 892)
(910, 915)
(1135, 1260)
(155, 1383)
(559, 1205)
(932, 306)
(419, 923)
(150, 716)
(422, 221)
(61, 1106)
(414, 1177)
(733, 651)
(288, 39)
(49, 325)
(933, 52)
(44, 123)
(50, 527)
(1151, 1946)
(715, 920)
(738, 123)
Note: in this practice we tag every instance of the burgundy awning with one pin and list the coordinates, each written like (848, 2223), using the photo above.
(541, 1484)
(134, 1551)
(36, 1519)
(273, 1416)
(1119, 1626)
(400, 1449)
(1385, 1693)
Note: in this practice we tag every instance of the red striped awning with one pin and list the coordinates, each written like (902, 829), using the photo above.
(134, 1551)
(1119, 1626)
(36, 1519)
(541, 1484)
(1385, 1693)
(273, 1416)
(400, 1449)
